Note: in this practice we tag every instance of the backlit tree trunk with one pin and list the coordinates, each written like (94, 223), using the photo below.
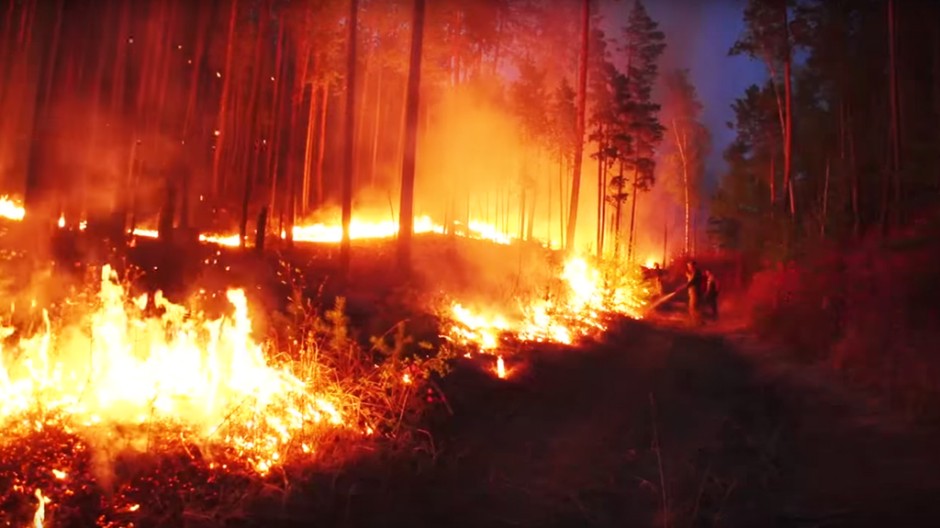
(681, 146)
(895, 114)
(227, 76)
(350, 132)
(579, 148)
(406, 209)
(321, 147)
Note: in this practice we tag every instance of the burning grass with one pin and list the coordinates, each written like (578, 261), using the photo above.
(577, 305)
(105, 377)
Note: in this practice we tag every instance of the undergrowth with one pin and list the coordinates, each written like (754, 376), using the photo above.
(868, 312)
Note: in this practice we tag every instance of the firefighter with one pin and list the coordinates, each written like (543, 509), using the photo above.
(711, 294)
(695, 286)
(658, 273)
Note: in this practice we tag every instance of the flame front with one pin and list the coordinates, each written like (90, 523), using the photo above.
(589, 296)
(11, 209)
(116, 366)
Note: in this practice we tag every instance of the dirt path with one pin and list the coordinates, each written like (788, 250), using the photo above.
(746, 441)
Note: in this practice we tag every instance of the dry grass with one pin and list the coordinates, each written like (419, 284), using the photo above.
(181, 480)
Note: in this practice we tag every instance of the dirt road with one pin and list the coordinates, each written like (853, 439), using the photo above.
(745, 440)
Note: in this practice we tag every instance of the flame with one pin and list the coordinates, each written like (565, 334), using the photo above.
(39, 518)
(208, 377)
(145, 233)
(11, 209)
(500, 368)
(359, 229)
(222, 240)
(589, 297)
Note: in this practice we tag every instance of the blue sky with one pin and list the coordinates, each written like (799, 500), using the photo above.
(699, 34)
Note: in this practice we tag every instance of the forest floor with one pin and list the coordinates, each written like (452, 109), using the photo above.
(745, 439)
(654, 423)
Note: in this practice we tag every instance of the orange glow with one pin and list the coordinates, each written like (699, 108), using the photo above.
(115, 366)
(589, 298)
(39, 518)
(145, 233)
(11, 209)
(222, 240)
(500, 368)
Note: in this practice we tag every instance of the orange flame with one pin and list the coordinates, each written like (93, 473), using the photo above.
(11, 209)
(589, 297)
(500, 368)
(117, 366)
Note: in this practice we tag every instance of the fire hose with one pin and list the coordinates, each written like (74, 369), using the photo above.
(663, 299)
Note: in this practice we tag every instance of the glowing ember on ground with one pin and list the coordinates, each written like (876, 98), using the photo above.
(209, 379)
(500, 368)
(40, 516)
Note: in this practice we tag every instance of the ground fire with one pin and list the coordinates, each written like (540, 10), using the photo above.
(469, 263)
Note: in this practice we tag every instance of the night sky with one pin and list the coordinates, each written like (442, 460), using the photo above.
(698, 37)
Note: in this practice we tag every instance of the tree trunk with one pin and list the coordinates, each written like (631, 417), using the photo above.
(681, 146)
(636, 187)
(376, 125)
(579, 148)
(350, 133)
(223, 104)
(406, 209)
(788, 138)
(561, 202)
(853, 170)
(895, 115)
(825, 204)
(531, 221)
(321, 148)
(308, 150)
(599, 237)
(618, 207)
(251, 124)
(274, 149)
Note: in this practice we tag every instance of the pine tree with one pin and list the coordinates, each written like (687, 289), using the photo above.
(643, 44)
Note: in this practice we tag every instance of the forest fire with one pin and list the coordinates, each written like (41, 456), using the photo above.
(586, 299)
(207, 379)
(11, 209)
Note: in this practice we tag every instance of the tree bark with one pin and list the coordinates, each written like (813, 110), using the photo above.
(630, 248)
(788, 128)
(825, 204)
(579, 147)
(681, 146)
(376, 125)
(348, 175)
(321, 148)
(406, 209)
(223, 104)
(895, 115)
(308, 150)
